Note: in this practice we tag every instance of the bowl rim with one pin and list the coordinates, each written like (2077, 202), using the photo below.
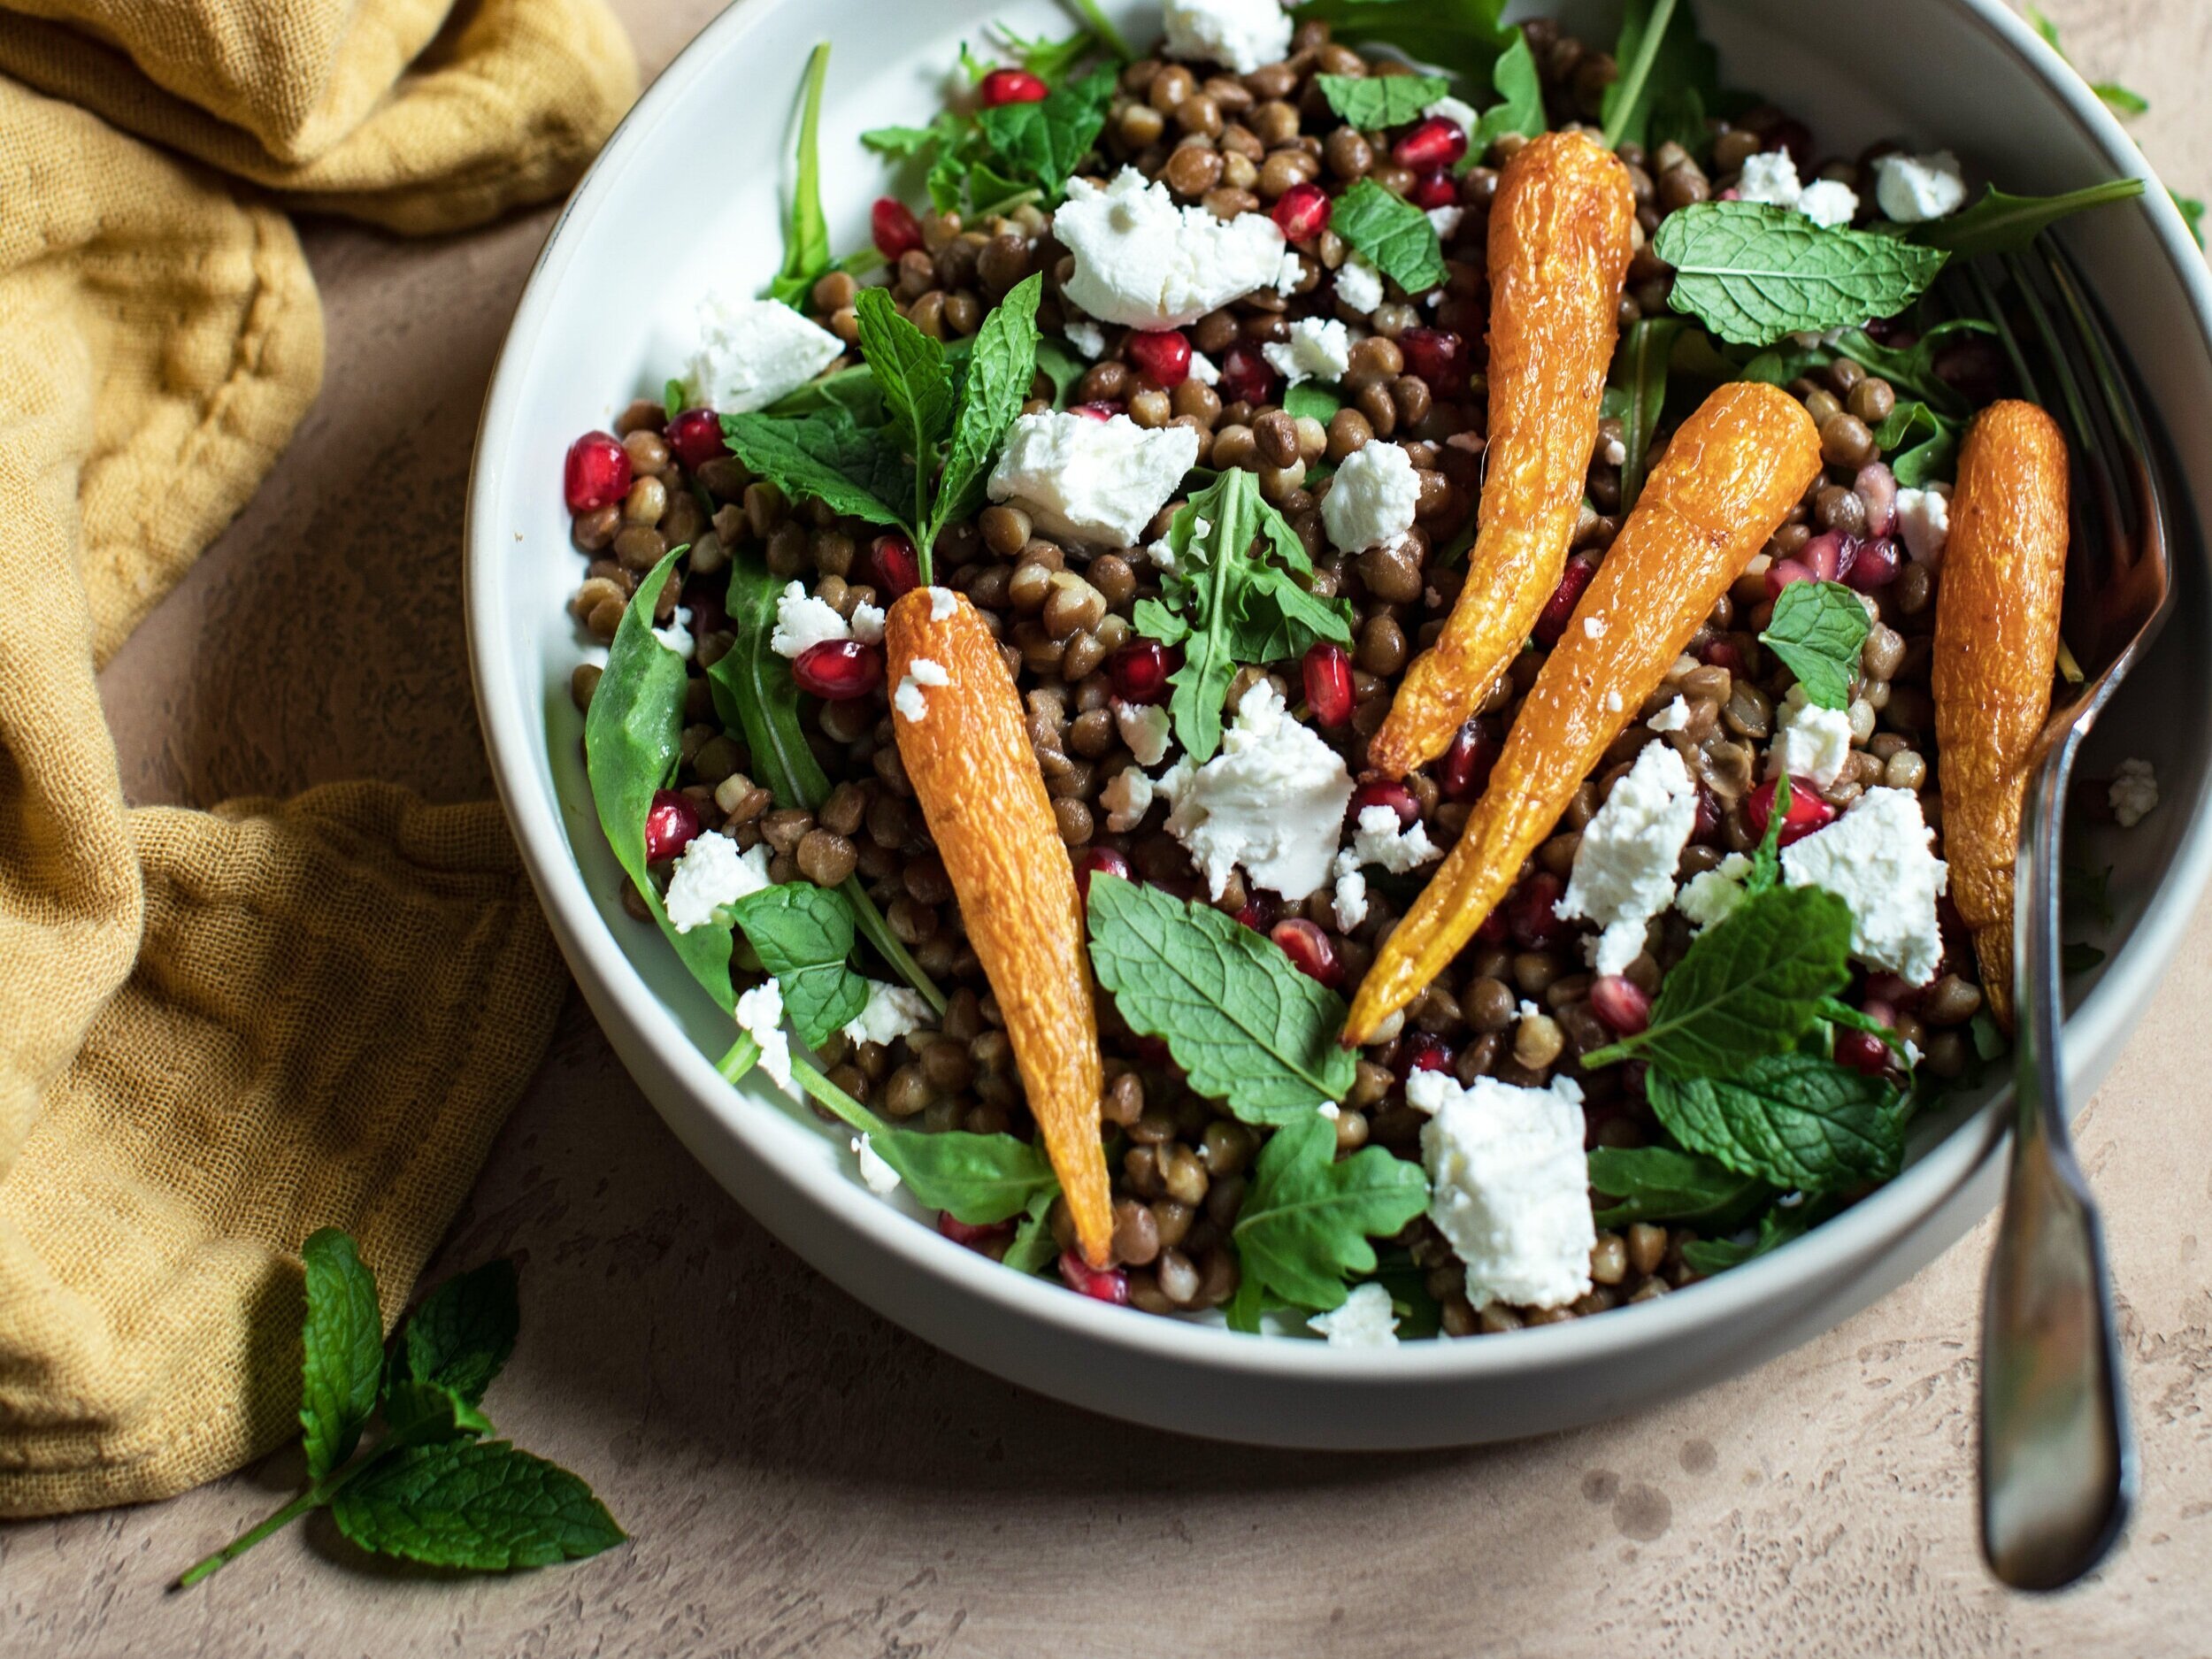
(1786, 1276)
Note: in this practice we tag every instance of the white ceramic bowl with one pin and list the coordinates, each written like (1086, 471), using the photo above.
(686, 196)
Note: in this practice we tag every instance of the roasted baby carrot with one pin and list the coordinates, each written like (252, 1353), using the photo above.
(965, 746)
(1560, 234)
(1729, 476)
(1996, 644)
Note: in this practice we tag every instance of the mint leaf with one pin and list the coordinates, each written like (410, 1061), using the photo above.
(1001, 365)
(1039, 146)
(1661, 1184)
(1371, 102)
(2000, 223)
(806, 243)
(1817, 630)
(1246, 1026)
(1308, 1215)
(476, 1504)
(344, 1339)
(1639, 370)
(825, 456)
(803, 934)
(420, 1413)
(1797, 1120)
(1520, 89)
(918, 395)
(1393, 233)
(461, 1334)
(1754, 273)
(1462, 36)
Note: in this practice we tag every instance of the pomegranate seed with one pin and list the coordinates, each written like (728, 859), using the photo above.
(1095, 860)
(1875, 566)
(1862, 1051)
(1797, 138)
(1163, 357)
(1877, 487)
(1560, 606)
(839, 669)
(1244, 377)
(1302, 212)
(695, 436)
(1706, 824)
(1101, 411)
(597, 473)
(1382, 792)
(1152, 1051)
(1724, 654)
(974, 1237)
(1621, 1003)
(1258, 914)
(1139, 672)
(1436, 189)
(1012, 86)
(1493, 930)
(1782, 572)
(1828, 555)
(1807, 811)
(1422, 1051)
(672, 823)
(895, 227)
(898, 568)
(1308, 950)
(1328, 671)
(1531, 915)
(1891, 989)
(1435, 143)
(1437, 355)
(1467, 763)
(1112, 1284)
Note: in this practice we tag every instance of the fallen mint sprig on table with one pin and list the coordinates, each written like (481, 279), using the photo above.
(430, 1489)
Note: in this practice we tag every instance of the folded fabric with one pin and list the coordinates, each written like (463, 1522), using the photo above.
(221, 1031)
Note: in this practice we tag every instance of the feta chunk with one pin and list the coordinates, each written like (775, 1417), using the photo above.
(1142, 261)
(1771, 178)
(1087, 338)
(1674, 718)
(1712, 895)
(1623, 869)
(760, 1012)
(1290, 274)
(1813, 742)
(1829, 203)
(1238, 34)
(1876, 859)
(1379, 840)
(1317, 349)
(1127, 797)
(1359, 285)
(1923, 519)
(803, 622)
(712, 874)
(1272, 801)
(892, 1011)
(1348, 899)
(908, 698)
(1364, 1320)
(867, 623)
(876, 1176)
(1454, 111)
(1204, 370)
(1913, 189)
(677, 635)
(2134, 793)
(752, 352)
(1092, 480)
(1509, 1187)
(1144, 728)
(942, 602)
(1372, 499)
(1445, 220)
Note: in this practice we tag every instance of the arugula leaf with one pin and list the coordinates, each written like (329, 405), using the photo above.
(806, 242)
(1371, 102)
(1639, 370)
(1661, 1184)
(1817, 631)
(1040, 145)
(909, 367)
(803, 934)
(1247, 1027)
(479, 1504)
(461, 1334)
(630, 739)
(1308, 1216)
(1520, 89)
(904, 143)
(1766, 858)
(1841, 1013)
(1658, 48)
(1463, 36)
(1049, 60)
(1033, 1247)
(1393, 233)
(2000, 223)
(2122, 100)
(827, 457)
(1418, 1314)
(1224, 606)
(1677, 117)
(1911, 369)
(2081, 886)
(1001, 365)
(343, 1337)
(1310, 400)
(1799, 1120)
(1780, 1226)
(1754, 273)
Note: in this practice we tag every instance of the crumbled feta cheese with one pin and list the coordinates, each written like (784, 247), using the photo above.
(1623, 869)
(1527, 1010)
(2134, 793)
(908, 698)
(1238, 34)
(1359, 285)
(803, 622)
(1318, 349)
(1087, 338)
(1372, 499)
(1092, 480)
(1364, 1320)
(1349, 898)
(1829, 203)
(1290, 274)
(712, 874)
(1923, 519)
(942, 602)
(677, 635)
(752, 352)
(876, 1176)
(1615, 453)
(1811, 742)
(1162, 553)
(1127, 797)
(1379, 840)
(1770, 178)
(1329, 1110)
(760, 1012)
(1614, 703)
(1509, 1187)
(1913, 189)
(1272, 800)
(1876, 859)
(1674, 718)
(1447, 220)
(1452, 110)
(1204, 370)
(892, 1011)
(1595, 627)
(1712, 895)
(1144, 728)
(1142, 261)
(867, 623)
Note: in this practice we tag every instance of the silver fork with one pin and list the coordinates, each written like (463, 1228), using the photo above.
(2058, 1461)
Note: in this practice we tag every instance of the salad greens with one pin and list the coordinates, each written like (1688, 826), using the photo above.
(1393, 233)
(1464, 37)
(996, 159)
(1520, 106)
(1373, 101)
(1817, 631)
(1754, 274)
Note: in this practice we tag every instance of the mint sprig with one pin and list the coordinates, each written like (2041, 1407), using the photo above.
(1308, 1216)
(1393, 233)
(345, 1351)
(803, 935)
(1754, 273)
(1662, 1184)
(1799, 1120)
(1371, 102)
(1817, 631)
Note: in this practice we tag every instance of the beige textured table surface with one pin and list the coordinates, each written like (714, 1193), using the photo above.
(801, 1478)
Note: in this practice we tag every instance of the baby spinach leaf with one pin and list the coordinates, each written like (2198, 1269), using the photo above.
(1308, 400)
(909, 369)
(463, 1333)
(343, 1338)
(1393, 233)
(1658, 48)
(1033, 1247)
(2000, 223)
(1639, 370)
(1371, 102)
(1909, 425)
(1520, 108)
(827, 457)
(478, 1504)
(1938, 458)
(1661, 1184)
(1462, 36)
(1001, 365)
(1247, 1027)
(1039, 146)
(1799, 1120)
(1308, 1215)
(806, 242)
(1754, 273)
(1817, 631)
(803, 934)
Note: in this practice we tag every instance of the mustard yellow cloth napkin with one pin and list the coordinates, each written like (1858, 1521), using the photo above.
(221, 1031)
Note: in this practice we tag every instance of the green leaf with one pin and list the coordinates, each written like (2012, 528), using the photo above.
(463, 1333)
(1247, 1027)
(2121, 99)
(825, 456)
(1677, 117)
(1393, 233)
(1658, 49)
(1639, 370)
(2039, 21)
(2000, 223)
(1754, 273)
(978, 1179)
(2080, 956)
(1308, 1215)
(1911, 369)
(806, 242)
(1310, 400)
(1040, 145)
(1520, 108)
(1033, 1247)
(1371, 102)
(1817, 631)
(1061, 365)
(1907, 424)
(904, 143)
(671, 399)
(1766, 858)
(1799, 1120)
(1099, 24)
(2083, 887)
(2191, 211)
(422, 1413)
(1001, 365)
(343, 1343)
(631, 732)
(1661, 1184)
(1938, 458)
(1780, 1226)
(1462, 36)
(476, 1504)
(918, 393)
(803, 934)
(1049, 60)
